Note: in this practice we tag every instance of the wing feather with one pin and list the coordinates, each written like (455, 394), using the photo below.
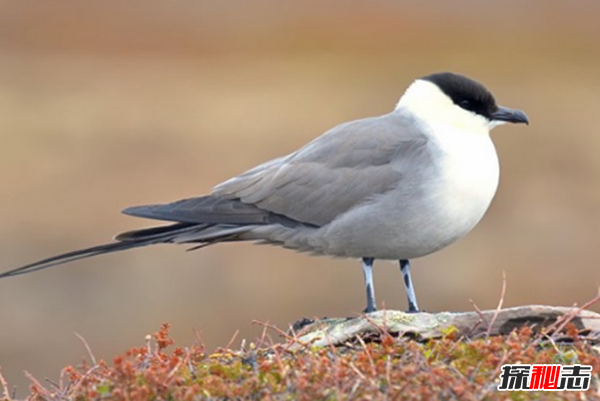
(341, 169)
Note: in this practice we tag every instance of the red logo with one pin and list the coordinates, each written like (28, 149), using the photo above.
(545, 377)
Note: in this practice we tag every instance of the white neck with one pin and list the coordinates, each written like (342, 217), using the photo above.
(424, 100)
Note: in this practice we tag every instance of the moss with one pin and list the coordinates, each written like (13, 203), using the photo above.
(384, 368)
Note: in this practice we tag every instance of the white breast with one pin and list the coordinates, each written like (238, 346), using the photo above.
(468, 180)
(406, 224)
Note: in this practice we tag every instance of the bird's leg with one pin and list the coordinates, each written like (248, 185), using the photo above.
(367, 265)
(408, 285)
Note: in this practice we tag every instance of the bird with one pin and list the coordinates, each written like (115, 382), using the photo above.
(397, 186)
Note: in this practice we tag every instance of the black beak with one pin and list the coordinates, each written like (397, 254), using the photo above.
(510, 115)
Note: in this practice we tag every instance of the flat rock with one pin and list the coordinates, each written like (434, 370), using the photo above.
(424, 326)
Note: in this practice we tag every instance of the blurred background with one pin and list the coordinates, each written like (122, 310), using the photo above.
(105, 105)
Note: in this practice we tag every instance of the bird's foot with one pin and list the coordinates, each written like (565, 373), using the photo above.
(369, 309)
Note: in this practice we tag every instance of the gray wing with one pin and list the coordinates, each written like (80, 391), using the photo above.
(339, 170)
(209, 210)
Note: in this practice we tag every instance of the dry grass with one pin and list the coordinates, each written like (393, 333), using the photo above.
(383, 368)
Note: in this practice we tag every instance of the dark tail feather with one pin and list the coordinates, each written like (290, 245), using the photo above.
(73, 256)
(160, 232)
(154, 235)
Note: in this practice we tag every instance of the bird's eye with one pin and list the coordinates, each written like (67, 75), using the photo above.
(465, 104)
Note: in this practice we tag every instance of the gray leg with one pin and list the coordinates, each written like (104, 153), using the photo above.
(367, 265)
(408, 285)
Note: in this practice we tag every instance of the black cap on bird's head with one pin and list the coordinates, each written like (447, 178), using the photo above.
(470, 95)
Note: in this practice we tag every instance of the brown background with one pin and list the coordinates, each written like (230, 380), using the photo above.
(109, 104)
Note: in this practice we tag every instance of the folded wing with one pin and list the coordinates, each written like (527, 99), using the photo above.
(341, 169)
